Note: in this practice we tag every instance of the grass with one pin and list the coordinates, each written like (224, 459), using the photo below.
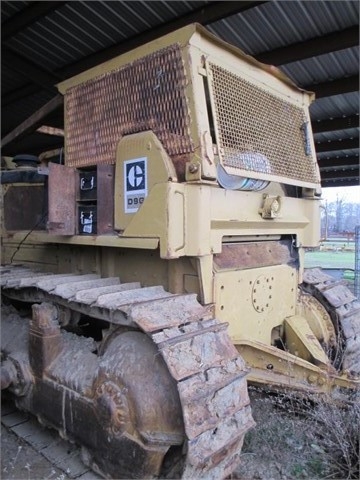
(298, 439)
(330, 259)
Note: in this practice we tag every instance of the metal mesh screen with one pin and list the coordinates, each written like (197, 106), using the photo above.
(148, 94)
(257, 131)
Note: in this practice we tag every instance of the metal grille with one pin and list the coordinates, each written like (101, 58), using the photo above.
(148, 94)
(258, 131)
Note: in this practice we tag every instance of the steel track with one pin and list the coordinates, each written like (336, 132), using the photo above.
(199, 354)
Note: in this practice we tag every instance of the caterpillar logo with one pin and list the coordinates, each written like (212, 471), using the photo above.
(135, 184)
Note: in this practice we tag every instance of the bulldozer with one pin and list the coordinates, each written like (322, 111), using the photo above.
(154, 267)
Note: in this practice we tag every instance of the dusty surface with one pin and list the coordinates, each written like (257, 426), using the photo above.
(283, 446)
(20, 461)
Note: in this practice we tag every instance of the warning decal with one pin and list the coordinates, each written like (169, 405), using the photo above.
(135, 184)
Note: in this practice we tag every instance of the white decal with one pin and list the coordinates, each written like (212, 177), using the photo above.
(135, 184)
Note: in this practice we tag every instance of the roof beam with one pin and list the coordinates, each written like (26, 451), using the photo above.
(335, 87)
(333, 146)
(312, 48)
(333, 124)
(37, 75)
(336, 174)
(212, 12)
(26, 17)
(33, 121)
(338, 162)
(342, 182)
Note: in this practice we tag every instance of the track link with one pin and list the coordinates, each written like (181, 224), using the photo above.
(344, 310)
(199, 355)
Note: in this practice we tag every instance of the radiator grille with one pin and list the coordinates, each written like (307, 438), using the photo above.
(148, 94)
(257, 131)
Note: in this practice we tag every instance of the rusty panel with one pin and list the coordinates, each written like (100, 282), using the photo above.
(24, 208)
(191, 348)
(62, 216)
(168, 312)
(255, 255)
(206, 407)
(148, 94)
(105, 198)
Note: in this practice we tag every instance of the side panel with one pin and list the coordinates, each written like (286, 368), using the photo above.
(255, 301)
(62, 216)
(105, 198)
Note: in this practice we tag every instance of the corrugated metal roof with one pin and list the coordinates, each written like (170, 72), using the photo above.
(8, 9)
(70, 32)
(336, 106)
(332, 66)
(79, 28)
(276, 24)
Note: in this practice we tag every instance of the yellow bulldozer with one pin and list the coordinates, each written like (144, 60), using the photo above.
(155, 266)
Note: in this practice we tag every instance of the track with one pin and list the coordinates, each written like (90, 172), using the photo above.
(344, 310)
(198, 353)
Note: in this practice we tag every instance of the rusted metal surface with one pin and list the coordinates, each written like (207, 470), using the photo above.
(344, 310)
(139, 402)
(147, 94)
(179, 162)
(68, 291)
(255, 255)
(105, 199)
(168, 312)
(61, 200)
(90, 296)
(25, 208)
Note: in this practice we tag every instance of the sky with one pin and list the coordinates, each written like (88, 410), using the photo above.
(349, 194)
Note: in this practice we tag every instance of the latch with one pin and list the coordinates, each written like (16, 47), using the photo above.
(271, 207)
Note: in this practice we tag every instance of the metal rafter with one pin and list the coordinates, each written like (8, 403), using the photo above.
(36, 74)
(340, 173)
(334, 124)
(340, 182)
(26, 17)
(335, 145)
(338, 162)
(335, 87)
(332, 42)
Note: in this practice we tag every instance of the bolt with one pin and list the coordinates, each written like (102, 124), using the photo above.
(193, 168)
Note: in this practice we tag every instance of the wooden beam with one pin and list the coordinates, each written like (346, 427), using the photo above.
(311, 48)
(33, 122)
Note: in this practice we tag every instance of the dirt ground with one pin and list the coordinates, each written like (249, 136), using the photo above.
(20, 461)
(283, 446)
